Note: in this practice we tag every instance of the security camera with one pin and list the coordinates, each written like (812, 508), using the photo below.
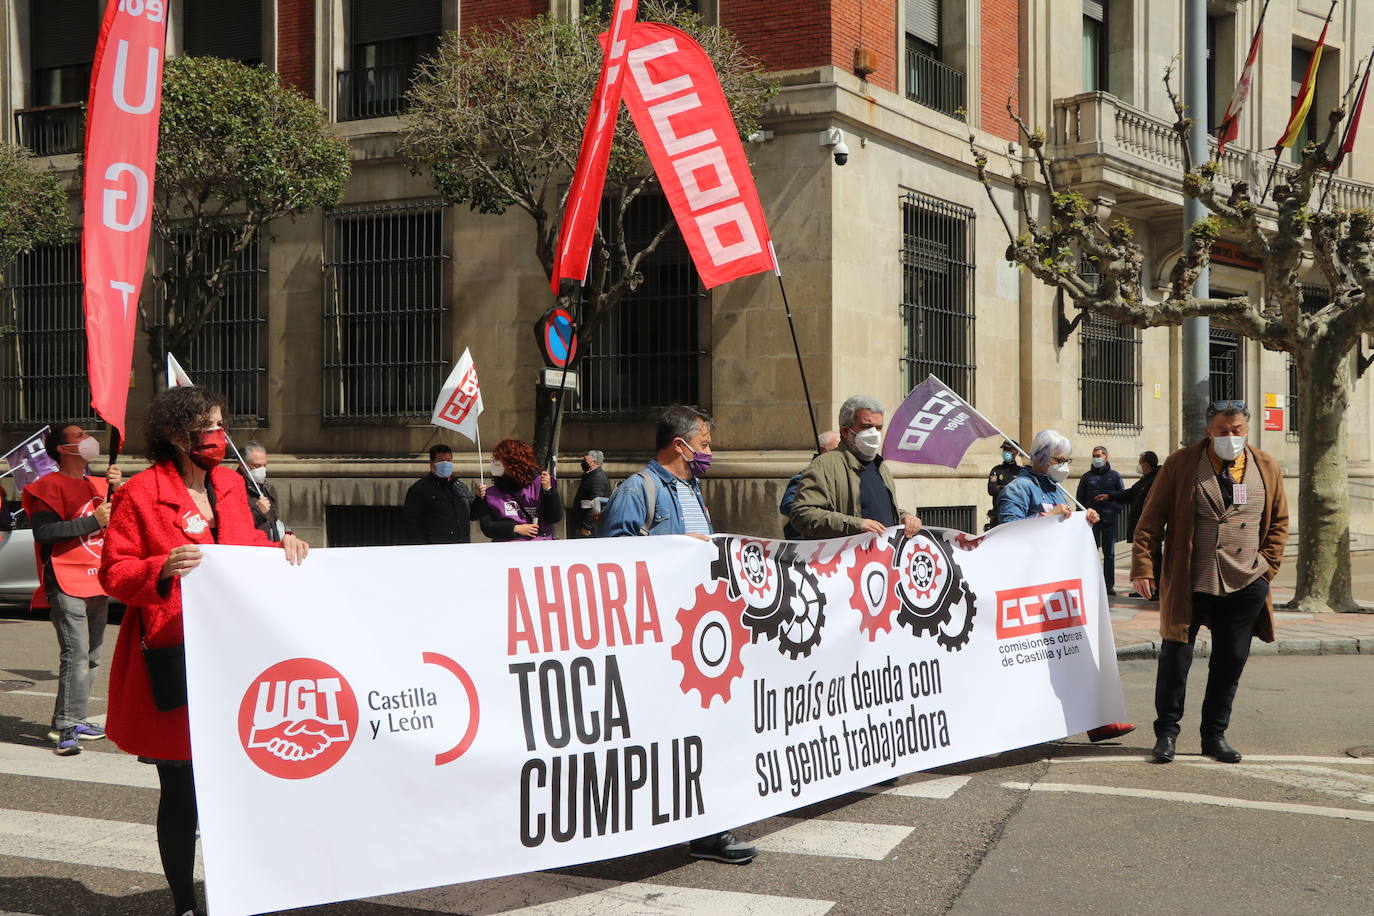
(833, 137)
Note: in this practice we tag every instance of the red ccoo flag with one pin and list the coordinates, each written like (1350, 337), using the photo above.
(583, 205)
(121, 155)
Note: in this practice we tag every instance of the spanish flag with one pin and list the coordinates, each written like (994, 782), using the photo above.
(1303, 103)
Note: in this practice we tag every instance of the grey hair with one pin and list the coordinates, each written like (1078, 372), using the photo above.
(829, 439)
(853, 405)
(595, 454)
(1227, 408)
(1046, 443)
(251, 446)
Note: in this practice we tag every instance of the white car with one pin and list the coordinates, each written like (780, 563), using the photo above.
(18, 574)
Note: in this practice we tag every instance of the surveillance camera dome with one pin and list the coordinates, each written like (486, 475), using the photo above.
(841, 152)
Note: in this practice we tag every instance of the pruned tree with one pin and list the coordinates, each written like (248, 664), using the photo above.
(1340, 242)
(236, 150)
(496, 116)
(33, 208)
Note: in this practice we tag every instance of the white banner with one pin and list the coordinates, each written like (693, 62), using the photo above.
(460, 401)
(388, 718)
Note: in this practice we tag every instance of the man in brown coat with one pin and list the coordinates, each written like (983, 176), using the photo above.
(1219, 509)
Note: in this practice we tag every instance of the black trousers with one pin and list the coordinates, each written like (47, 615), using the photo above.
(1231, 618)
(1104, 535)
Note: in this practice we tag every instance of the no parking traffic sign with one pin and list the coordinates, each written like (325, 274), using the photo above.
(556, 334)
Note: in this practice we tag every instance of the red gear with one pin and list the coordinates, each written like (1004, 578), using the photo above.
(827, 568)
(874, 620)
(936, 570)
(967, 541)
(711, 607)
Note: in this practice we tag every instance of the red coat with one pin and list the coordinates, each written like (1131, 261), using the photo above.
(151, 514)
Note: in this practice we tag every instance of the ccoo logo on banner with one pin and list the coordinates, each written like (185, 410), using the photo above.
(574, 701)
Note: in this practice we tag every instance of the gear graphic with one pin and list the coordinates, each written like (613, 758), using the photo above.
(967, 541)
(830, 566)
(873, 595)
(801, 632)
(925, 570)
(754, 569)
(711, 643)
(964, 597)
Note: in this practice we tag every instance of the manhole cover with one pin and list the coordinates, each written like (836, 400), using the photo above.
(1364, 750)
(15, 685)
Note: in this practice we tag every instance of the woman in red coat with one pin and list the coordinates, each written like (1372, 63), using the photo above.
(157, 521)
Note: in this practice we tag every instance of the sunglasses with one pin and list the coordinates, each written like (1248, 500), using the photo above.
(1226, 406)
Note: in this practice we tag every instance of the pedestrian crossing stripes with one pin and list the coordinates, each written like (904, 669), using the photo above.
(842, 839)
(85, 841)
(109, 768)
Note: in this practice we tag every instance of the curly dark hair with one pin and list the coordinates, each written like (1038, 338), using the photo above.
(175, 414)
(518, 459)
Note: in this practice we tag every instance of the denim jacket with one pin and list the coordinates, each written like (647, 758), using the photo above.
(624, 514)
(1027, 495)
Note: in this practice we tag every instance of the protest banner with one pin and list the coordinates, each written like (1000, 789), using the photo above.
(29, 460)
(381, 719)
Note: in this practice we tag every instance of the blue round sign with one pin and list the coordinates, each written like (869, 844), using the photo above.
(558, 338)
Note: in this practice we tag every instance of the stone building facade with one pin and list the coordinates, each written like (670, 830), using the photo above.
(341, 325)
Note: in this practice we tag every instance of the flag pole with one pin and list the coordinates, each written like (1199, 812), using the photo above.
(796, 348)
(481, 474)
(1351, 124)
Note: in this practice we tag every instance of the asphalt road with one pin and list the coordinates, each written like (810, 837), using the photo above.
(1059, 828)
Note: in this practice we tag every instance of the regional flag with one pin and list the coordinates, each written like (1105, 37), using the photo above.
(1230, 123)
(176, 376)
(934, 426)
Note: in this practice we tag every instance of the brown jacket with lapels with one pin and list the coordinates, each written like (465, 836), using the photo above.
(1170, 515)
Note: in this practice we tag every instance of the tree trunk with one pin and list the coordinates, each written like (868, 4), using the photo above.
(1324, 485)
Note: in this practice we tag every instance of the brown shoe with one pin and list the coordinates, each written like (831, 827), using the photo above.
(1110, 730)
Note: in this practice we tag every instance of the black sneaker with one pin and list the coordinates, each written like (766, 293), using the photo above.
(67, 743)
(723, 847)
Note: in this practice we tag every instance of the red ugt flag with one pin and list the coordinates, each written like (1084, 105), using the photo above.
(589, 178)
(677, 104)
(121, 154)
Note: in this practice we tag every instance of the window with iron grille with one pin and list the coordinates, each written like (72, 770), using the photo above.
(228, 355)
(1314, 298)
(61, 45)
(231, 29)
(1109, 368)
(1227, 364)
(929, 80)
(937, 292)
(959, 518)
(646, 354)
(43, 359)
(388, 42)
(384, 342)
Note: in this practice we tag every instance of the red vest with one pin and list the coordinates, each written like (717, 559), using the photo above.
(75, 561)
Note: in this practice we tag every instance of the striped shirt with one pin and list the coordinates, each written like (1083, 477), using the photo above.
(694, 518)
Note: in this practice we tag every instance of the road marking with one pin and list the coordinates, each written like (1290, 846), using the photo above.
(81, 841)
(1194, 799)
(1249, 759)
(570, 895)
(103, 767)
(941, 787)
(1328, 781)
(839, 839)
(41, 693)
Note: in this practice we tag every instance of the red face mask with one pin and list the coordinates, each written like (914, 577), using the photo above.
(207, 448)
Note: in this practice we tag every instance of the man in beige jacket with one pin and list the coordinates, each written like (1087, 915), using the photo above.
(1219, 509)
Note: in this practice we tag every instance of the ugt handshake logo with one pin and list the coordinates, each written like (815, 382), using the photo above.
(298, 718)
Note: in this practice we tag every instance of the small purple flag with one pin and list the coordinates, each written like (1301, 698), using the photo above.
(934, 426)
(29, 460)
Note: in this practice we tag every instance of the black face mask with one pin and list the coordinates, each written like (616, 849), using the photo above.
(586, 467)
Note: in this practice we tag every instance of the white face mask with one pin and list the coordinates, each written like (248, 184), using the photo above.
(258, 474)
(497, 468)
(88, 448)
(1228, 448)
(866, 443)
(1059, 472)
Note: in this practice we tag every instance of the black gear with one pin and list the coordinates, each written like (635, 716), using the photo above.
(801, 586)
(964, 595)
(720, 566)
(928, 623)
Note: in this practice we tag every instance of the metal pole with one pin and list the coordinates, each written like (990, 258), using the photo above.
(1196, 373)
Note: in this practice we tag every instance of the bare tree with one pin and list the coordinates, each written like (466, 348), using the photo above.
(1339, 241)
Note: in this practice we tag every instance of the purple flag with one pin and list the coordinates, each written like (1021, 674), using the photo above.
(29, 460)
(934, 426)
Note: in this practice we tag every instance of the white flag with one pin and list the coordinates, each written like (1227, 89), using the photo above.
(176, 376)
(460, 401)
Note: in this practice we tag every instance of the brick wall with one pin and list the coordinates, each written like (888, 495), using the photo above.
(793, 34)
(296, 44)
(481, 13)
(870, 24)
(1001, 38)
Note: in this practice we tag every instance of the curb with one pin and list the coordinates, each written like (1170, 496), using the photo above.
(1348, 645)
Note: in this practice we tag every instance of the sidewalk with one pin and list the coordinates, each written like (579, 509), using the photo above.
(1135, 623)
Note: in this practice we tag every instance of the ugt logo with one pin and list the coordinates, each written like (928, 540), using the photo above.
(298, 718)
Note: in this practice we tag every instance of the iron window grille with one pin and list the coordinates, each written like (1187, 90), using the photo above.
(228, 354)
(932, 83)
(647, 354)
(385, 350)
(43, 358)
(389, 41)
(1109, 369)
(364, 526)
(937, 292)
(1226, 365)
(959, 518)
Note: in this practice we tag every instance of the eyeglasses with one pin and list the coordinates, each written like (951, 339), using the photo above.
(1060, 460)
(1227, 406)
